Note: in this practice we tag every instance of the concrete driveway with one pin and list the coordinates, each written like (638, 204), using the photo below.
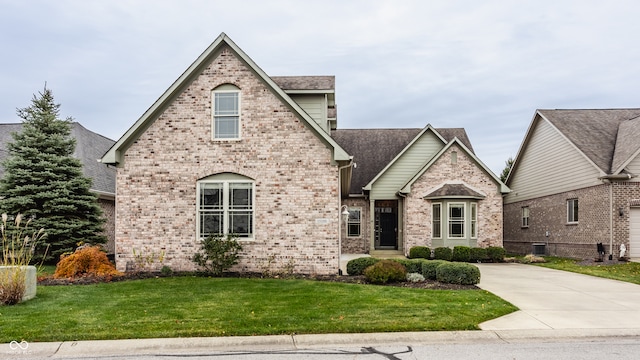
(553, 299)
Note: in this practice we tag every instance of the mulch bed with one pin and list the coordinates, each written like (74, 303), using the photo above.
(87, 280)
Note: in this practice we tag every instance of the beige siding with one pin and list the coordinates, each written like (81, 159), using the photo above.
(406, 166)
(316, 106)
(550, 165)
(634, 166)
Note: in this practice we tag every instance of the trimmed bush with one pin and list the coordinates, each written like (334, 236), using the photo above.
(412, 265)
(356, 266)
(414, 277)
(420, 252)
(385, 271)
(429, 268)
(85, 261)
(478, 254)
(496, 253)
(442, 253)
(461, 253)
(218, 254)
(458, 273)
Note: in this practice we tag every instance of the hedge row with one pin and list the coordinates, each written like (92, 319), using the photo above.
(459, 253)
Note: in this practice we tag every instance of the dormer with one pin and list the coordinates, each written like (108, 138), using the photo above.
(315, 95)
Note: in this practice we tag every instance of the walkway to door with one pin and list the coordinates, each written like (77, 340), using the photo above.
(554, 299)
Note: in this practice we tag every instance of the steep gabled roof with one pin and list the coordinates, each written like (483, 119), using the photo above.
(454, 191)
(306, 83)
(375, 149)
(627, 144)
(114, 155)
(407, 187)
(596, 133)
(90, 147)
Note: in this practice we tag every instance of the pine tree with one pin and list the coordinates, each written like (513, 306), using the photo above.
(507, 168)
(44, 182)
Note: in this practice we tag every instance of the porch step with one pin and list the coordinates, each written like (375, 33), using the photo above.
(387, 254)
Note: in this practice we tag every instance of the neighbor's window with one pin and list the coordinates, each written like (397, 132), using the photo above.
(436, 222)
(225, 207)
(456, 220)
(572, 211)
(474, 220)
(353, 222)
(525, 216)
(226, 114)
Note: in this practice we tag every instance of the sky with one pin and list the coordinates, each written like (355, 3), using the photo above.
(485, 65)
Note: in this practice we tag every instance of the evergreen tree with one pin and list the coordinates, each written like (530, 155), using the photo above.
(507, 168)
(44, 182)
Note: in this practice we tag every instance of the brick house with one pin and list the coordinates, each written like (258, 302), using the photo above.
(574, 184)
(229, 149)
(90, 147)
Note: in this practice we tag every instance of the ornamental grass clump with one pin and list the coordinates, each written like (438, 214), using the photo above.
(18, 247)
(85, 261)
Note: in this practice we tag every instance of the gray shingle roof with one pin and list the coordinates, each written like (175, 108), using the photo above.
(305, 82)
(454, 191)
(373, 149)
(90, 147)
(606, 136)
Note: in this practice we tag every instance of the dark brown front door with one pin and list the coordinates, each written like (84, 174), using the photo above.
(386, 221)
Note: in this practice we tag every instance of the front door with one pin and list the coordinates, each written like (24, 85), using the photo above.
(386, 224)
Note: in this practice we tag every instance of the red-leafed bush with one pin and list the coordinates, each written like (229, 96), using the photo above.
(86, 261)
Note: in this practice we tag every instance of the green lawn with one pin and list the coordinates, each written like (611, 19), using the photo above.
(199, 306)
(629, 271)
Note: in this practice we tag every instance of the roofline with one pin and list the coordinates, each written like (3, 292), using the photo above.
(406, 148)
(407, 187)
(630, 159)
(114, 154)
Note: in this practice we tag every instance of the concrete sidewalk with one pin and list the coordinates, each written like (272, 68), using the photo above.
(554, 299)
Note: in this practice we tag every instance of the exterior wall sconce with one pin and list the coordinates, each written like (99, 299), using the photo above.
(344, 211)
(621, 211)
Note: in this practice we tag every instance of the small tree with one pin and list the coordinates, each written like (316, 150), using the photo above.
(44, 182)
(218, 254)
(507, 168)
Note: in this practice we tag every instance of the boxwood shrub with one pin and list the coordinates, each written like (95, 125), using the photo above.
(478, 254)
(458, 273)
(357, 266)
(385, 271)
(412, 265)
(442, 253)
(420, 252)
(429, 268)
(496, 253)
(460, 253)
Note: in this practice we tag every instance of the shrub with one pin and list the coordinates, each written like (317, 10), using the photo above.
(218, 254)
(420, 252)
(385, 271)
(85, 261)
(496, 253)
(356, 266)
(478, 254)
(532, 259)
(461, 253)
(458, 273)
(442, 253)
(414, 277)
(412, 265)
(429, 268)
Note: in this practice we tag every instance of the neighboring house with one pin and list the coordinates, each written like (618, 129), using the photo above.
(574, 184)
(228, 149)
(90, 147)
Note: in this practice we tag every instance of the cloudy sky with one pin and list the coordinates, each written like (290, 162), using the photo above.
(482, 65)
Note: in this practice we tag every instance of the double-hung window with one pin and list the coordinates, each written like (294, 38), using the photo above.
(572, 211)
(436, 220)
(354, 222)
(525, 216)
(474, 220)
(456, 220)
(226, 113)
(225, 207)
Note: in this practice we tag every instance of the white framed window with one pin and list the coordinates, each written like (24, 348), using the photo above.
(572, 211)
(473, 208)
(436, 220)
(225, 207)
(525, 216)
(226, 113)
(456, 220)
(354, 222)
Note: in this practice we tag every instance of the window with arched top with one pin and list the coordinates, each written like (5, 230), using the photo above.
(226, 205)
(226, 112)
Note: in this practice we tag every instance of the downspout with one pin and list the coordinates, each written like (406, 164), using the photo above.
(609, 179)
(340, 211)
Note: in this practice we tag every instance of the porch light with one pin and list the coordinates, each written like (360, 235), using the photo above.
(344, 212)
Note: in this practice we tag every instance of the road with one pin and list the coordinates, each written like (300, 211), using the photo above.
(566, 349)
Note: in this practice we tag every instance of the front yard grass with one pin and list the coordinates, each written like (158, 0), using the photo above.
(628, 271)
(199, 306)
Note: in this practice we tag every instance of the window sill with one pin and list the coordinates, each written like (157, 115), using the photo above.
(571, 223)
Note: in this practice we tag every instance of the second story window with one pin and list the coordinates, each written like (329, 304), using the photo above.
(226, 113)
